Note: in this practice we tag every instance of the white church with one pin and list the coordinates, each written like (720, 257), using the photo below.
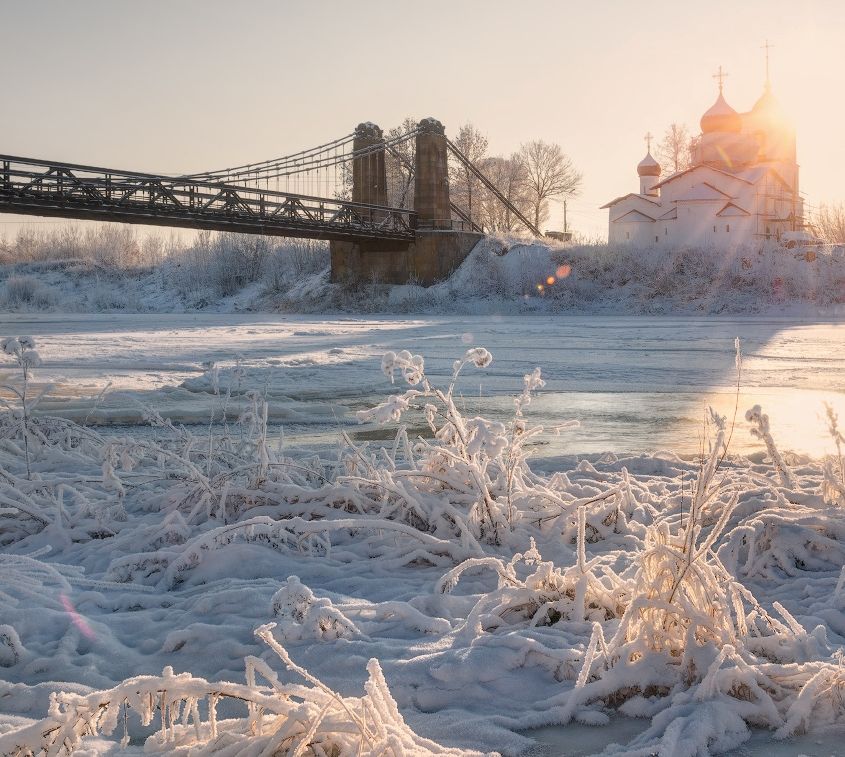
(741, 189)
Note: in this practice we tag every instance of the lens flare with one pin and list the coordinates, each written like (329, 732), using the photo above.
(563, 270)
(77, 619)
(550, 280)
(724, 156)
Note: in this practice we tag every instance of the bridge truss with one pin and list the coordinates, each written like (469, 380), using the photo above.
(51, 188)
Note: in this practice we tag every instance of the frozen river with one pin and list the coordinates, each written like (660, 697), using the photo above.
(635, 384)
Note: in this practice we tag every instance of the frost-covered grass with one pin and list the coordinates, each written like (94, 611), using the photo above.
(110, 269)
(705, 595)
(279, 718)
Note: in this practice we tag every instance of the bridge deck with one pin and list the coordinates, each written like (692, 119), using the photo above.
(68, 190)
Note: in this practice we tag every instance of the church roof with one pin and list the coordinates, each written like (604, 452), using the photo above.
(701, 167)
(703, 191)
(647, 198)
(670, 215)
(732, 209)
(634, 216)
(754, 174)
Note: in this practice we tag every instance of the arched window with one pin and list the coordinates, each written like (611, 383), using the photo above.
(728, 228)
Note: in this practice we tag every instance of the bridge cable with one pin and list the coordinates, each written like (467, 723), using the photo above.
(283, 160)
(272, 169)
(491, 186)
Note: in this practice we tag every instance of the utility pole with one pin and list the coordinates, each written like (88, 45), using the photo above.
(565, 229)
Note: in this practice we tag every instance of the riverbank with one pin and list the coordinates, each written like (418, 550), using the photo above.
(502, 275)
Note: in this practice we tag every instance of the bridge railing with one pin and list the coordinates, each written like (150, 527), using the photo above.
(447, 224)
(38, 187)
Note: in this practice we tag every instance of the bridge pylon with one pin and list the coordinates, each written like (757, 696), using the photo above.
(369, 176)
(431, 177)
(440, 244)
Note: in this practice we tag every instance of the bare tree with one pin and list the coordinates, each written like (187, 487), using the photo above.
(550, 174)
(464, 185)
(675, 151)
(399, 166)
(510, 177)
(343, 187)
(829, 223)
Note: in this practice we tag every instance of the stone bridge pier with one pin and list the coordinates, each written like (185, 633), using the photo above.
(369, 178)
(439, 247)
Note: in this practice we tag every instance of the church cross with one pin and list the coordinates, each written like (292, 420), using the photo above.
(720, 75)
(768, 46)
(648, 137)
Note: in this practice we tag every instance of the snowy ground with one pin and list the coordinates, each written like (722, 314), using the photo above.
(128, 552)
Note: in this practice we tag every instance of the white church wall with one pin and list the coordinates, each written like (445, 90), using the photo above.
(633, 233)
(694, 227)
(690, 231)
(733, 232)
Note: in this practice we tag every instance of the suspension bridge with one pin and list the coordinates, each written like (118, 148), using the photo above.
(383, 202)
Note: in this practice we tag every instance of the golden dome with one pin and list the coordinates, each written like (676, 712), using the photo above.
(648, 166)
(721, 117)
(767, 105)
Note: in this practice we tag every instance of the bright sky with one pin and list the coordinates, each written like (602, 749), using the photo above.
(199, 84)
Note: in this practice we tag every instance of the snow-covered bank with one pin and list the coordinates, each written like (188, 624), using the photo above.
(705, 596)
(500, 276)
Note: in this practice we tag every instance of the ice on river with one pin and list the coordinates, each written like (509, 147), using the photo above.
(635, 383)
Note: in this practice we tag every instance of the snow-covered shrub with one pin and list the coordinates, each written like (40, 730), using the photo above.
(776, 542)
(761, 430)
(833, 484)
(216, 265)
(11, 649)
(682, 596)
(480, 461)
(819, 702)
(68, 507)
(280, 718)
(113, 246)
(581, 592)
(103, 297)
(27, 291)
(695, 649)
(293, 260)
(303, 616)
(614, 511)
(22, 350)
